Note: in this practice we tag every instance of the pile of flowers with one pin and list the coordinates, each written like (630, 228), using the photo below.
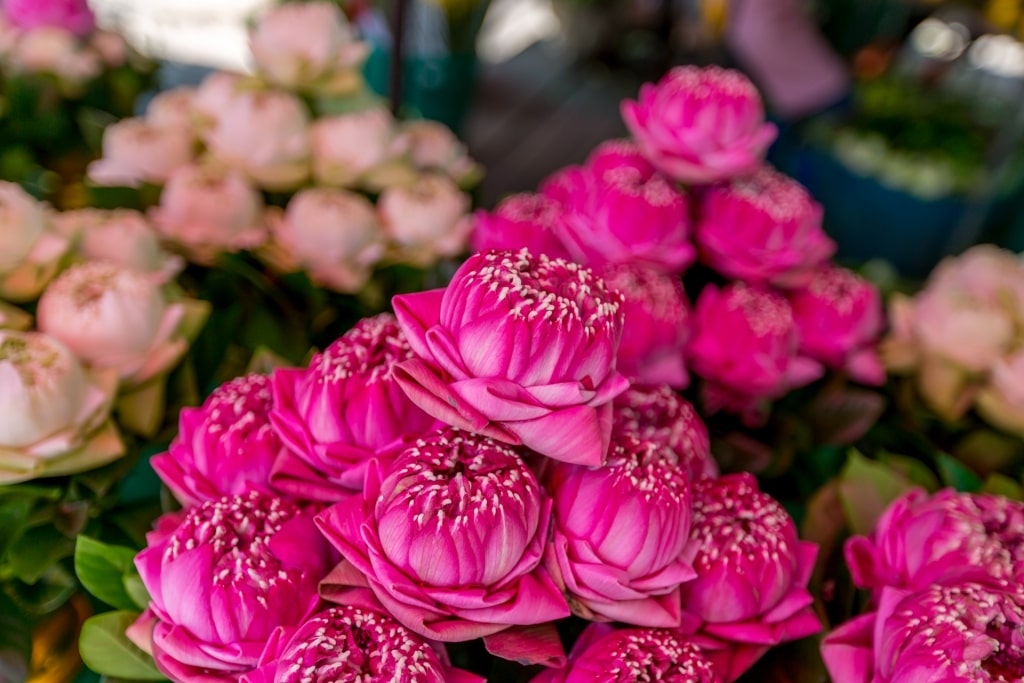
(772, 311)
(297, 163)
(945, 573)
(63, 80)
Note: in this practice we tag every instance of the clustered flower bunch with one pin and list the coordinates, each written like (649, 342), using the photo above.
(473, 467)
(945, 572)
(63, 80)
(772, 312)
(296, 163)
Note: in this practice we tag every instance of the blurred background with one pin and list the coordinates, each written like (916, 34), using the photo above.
(903, 117)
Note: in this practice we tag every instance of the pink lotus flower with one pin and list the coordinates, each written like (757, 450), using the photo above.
(212, 97)
(58, 52)
(71, 15)
(923, 539)
(344, 410)
(840, 319)
(656, 413)
(351, 644)
(621, 214)
(752, 572)
(120, 236)
(604, 654)
(619, 153)
(619, 532)
(223, 577)
(1001, 402)
(333, 235)
(30, 253)
(225, 447)
(172, 108)
(763, 228)
(449, 538)
(432, 146)
(960, 633)
(356, 149)
(745, 342)
(700, 125)
(657, 317)
(520, 348)
(207, 211)
(521, 221)
(136, 152)
(426, 220)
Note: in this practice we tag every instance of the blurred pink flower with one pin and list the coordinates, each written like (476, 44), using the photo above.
(426, 220)
(763, 228)
(71, 15)
(343, 410)
(1001, 401)
(618, 534)
(449, 537)
(120, 236)
(750, 593)
(136, 151)
(521, 221)
(520, 348)
(432, 146)
(349, 148)
(700, 125)
(172, 108)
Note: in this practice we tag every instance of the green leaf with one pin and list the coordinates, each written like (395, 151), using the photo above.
(1001, 485)
(954, 473)
(134, 587)
(36, 551)
(101, 569)
(14, 514)
(911, 468)
(866, 488)
(106, 649)
(15, 642)
(49, 592)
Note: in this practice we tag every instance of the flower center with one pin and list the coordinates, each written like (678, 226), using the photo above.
(1006, 663)
(656, 655)
(240, 408)
(33, 357)
(370, 350)
(649, 467)
(767, 313)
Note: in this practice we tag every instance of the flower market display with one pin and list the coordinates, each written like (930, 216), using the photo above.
(64, 80)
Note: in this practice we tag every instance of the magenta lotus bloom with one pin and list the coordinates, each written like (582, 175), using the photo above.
(622, 215)
(618, 153)
(700, 125)
(752, 572)
(71, 15)
(604, 654)
(763, 228)
(225, 447)
(619, 533)
(520, 348)
(222, 579)
(840, 319)
(960, 633)
(449, 538)
(342, 411)
(350, 644)
(745, 341)
(657, 315)
(656, 413)
(923, 539)
(521, 221)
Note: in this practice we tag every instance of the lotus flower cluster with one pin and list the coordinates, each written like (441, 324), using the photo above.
(473, 467)
(87, 323)
(282, 163)
(691, 185)
(957, 339)
(945, 571)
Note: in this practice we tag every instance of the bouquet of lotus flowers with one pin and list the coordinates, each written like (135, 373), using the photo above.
(93, 332)
(63, 81)
(294, 182)
(470, 475)
(689, 195)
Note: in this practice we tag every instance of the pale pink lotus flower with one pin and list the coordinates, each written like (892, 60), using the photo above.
(750, 593)
(354, 644)
(206, 211)
(604, 654)
(31, 252)
(953, 633)
(925, 538)
(54, 414)
(73, 16)
(56, 51)
(224, 578)
(700, 125)
(114, 318)
(763, 228)
(334, 235)
(359, 149)
(343, 411)
(657, 318)
(212, 97)
(622, 214)
(1001, 401)
(136, 152)
(449, 537)
(426, 220)
(840, 319)
(618, 534)
(173, 109)
(432, 146)
(110, 46)
(265, 136)
(520, 221)
(224, 447)
(519, 348)
(659, 414)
